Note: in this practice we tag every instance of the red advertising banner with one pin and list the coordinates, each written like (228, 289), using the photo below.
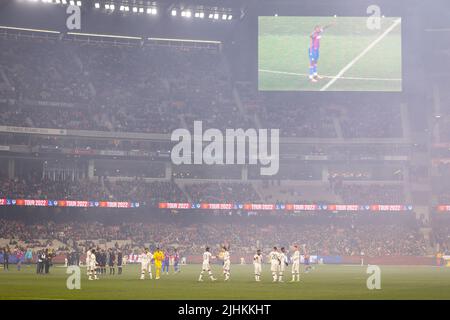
(443, 208)
(171, 205)
(68, 203)
(216, 206)
(287, 207)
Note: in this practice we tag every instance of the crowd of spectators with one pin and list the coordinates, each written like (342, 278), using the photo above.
(371, 194)
(136, 190)
(371, 120)
(244, 238)
(149, 89)
(43, 70)
(226, 192)
(114, 88)
(307, 117)
(441, 236)
(151, 192)
(296, 118)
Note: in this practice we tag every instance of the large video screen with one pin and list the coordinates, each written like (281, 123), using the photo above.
(329, 54)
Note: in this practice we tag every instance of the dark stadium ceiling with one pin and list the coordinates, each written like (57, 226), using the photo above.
(204, 9)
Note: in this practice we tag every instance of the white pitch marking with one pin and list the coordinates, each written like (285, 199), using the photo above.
(369, 47)
(325, 76)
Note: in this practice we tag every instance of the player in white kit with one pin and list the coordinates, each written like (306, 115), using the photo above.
(226, 263)
(257, 263)
(207, 256)
(283, 264)
(296, 265)
(88, 264)
(274, 257)
(146, 263)
(92, 265)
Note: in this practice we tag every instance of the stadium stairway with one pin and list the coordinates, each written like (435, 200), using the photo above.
(181, 186)
(83, 71)
(5, 79)
(338, 128)
(253, 117)
(426, 233)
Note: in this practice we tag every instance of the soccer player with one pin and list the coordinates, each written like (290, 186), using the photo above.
(40, 262)
(103, 261)
(111, 262)
(296, 265)
(19, 257)
(166, 262)
(119, 262)
(226, 263)
(92, 265)
(283, 264)
(439, 256)
(306, 260)
(176, 261)
(207, 256)
(6, 252)
(98, 259)
(274, 263)
(313, 51)
(158, 256)
(29, 256)
(146, 263)
(257, 263)
(49, 254)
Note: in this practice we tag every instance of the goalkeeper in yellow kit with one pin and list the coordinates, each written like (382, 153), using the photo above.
(158, 257)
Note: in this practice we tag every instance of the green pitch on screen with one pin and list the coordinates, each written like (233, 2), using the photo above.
(324, 282)
(371, 59)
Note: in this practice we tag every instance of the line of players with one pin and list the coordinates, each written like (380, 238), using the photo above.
(92, 263)
(278, 263)
(161, 261)
(96, 261)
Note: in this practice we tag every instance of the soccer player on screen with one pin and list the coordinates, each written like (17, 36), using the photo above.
(313, 51)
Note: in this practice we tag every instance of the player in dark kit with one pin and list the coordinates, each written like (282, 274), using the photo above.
(40, 262)
(313, 51)
(119, 262)
(49, 254)
(307, 261)
(104, 258)
(176, 261)
(112, 258)
(6, 252)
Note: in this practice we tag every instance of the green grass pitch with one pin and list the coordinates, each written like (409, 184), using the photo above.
(283, 62)
(325, 282)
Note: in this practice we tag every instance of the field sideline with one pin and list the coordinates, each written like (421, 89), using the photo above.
(325, 282)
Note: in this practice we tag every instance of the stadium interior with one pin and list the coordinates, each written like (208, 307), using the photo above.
(85, 146)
